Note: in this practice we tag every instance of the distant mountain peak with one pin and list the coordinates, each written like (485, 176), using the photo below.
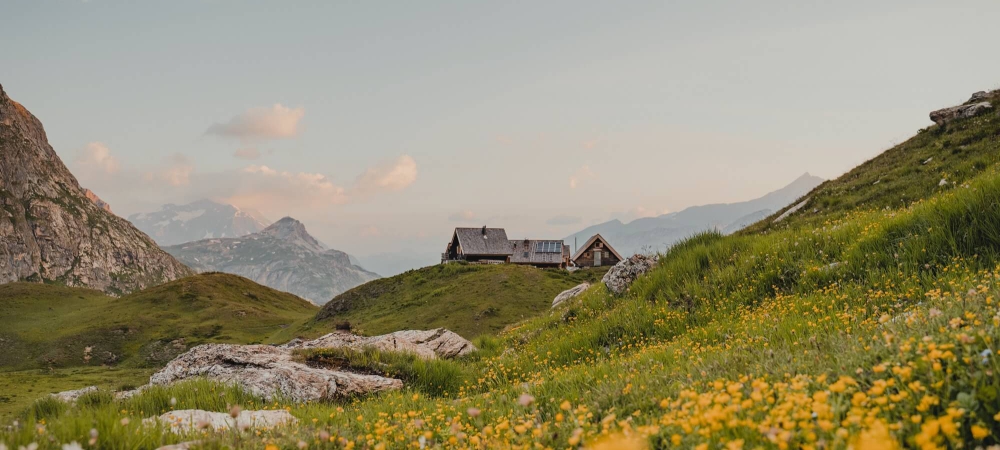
(283, 256)
(200, 219)
(292, 230)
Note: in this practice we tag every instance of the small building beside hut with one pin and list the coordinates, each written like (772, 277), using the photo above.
(596, 252)
(539, 253)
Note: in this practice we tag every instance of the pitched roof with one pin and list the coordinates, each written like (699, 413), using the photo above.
(526, 251)
(590, 241)
(483, 241)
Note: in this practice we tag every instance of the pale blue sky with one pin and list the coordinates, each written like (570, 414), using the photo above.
(476, 112)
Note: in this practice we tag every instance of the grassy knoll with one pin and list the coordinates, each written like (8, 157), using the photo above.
(51, 326)
(20, 389)
(875, 325)
(470, 300)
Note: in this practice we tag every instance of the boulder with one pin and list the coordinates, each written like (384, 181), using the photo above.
(71, 396)
(268, 372)
(943, 116)
(569, 293)
(184, 420)
(427, 344)
(621, 276)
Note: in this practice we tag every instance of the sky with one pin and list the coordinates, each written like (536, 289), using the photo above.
(383, 125)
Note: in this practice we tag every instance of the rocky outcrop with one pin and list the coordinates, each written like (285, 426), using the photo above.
(51, 231)
(429, 344)
(569, 293)
(203, 219)
(982, 96)
(71, 396)
(272, 371)
(943, 116)
(283, 256)
(185, 420)
(621, 276)
(268, 372)
(97, 200)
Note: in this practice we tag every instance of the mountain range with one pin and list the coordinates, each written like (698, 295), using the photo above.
(654, 234)
(203, 219)
(283, 256)
(51, 230)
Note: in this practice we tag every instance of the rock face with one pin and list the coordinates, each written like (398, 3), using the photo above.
(569, 293)
(97, 200)
(621, 276)
(203, 219)
(268, 372)
(51, 231)
(283, 256)
(184, 420)
(943, 116)
(429, 344)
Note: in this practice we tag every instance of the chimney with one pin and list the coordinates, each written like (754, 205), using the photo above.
(484, 230)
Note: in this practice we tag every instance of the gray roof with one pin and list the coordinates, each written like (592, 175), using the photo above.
(524, 252)
(480, 241)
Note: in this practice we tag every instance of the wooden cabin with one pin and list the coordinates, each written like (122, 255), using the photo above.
(540, 253)
(478, 245)
(596, 252)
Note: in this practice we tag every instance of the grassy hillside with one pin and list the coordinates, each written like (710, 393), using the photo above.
(871, 324)
(468, 299)
(51, 326)
(913, 170)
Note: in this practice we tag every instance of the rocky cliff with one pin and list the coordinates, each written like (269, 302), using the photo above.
(51, 231)
(283, 256)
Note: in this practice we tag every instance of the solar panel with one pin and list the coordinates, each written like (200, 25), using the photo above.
(548, 247)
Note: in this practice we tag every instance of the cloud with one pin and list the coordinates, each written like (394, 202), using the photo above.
(249, 153)
(96, 156)
(462, 216)
(264, 188)
(392, 176)
(564, 220)
(581, 175)
(176, 172)
(370, 231)
(276, 122)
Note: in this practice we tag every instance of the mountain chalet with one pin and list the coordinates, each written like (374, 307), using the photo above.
(491, 246)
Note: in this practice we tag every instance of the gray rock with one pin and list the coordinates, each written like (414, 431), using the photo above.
(71, 396)
(621, 275)
(268, 371)
(943, 116)
(428, 344)
(184, 420)
(51, 231)
(982, 96)
(569, 293)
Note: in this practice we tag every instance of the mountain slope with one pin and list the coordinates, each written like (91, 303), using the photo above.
(51, 231)
(937, 159)
(52, 326)
(203, 219)
(658, 233)
(467, 299)
(282, 256)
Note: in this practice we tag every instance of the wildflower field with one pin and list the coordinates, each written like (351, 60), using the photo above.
(874, 326)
